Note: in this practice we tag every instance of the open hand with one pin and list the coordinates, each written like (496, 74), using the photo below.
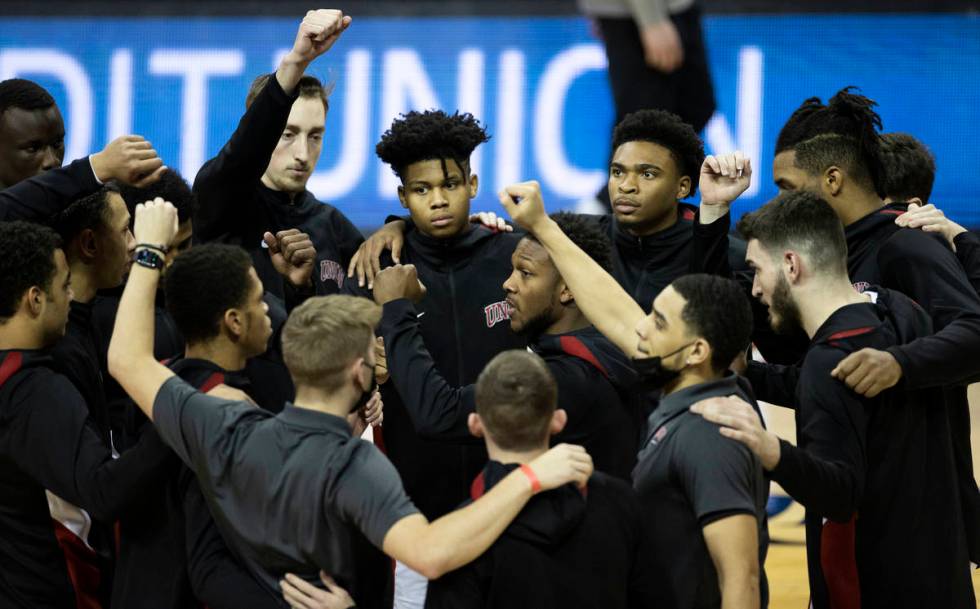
(931, 219)
(366, 261)
(491, 221)
(129, 159)
(868, 372)
(300, 594)
(563, 464)
(740, 422)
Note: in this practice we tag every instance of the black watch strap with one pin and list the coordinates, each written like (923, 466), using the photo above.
(148, 258)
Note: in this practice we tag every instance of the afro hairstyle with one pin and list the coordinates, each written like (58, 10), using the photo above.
(430, 135)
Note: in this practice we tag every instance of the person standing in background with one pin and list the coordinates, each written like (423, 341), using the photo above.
(657, 59)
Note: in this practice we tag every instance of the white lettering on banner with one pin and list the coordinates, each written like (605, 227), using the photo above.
(553, 165)
(406, 86)
(120, 94)
(355, 151)
(509, 130)
(195, 66)
(749, 117)
(64, 67)
(469, 97)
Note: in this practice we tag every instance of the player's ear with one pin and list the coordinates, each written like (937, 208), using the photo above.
(559, 419)
(234, 323)
(34, 299)
(475, 425)
(401, 196)
(683, 187)
(474, 185)
(565, 296)
(88, 243)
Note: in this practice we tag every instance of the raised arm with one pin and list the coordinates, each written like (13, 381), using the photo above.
(129, 159)
(224, 180)
(459, 537)
(605, 303)
(130, 358)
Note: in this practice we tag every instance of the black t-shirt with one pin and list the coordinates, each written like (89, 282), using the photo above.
(286, 490)
(688, 476)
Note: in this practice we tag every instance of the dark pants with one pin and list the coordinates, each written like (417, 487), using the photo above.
(687, 92)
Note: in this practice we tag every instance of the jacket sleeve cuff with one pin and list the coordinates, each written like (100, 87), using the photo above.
(394, 313)
(908, 370)
(787, 465)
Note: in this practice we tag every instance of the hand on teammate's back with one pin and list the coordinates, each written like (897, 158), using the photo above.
(292, 254)
(129, 159)
(156, 223)
(931, 219)
(561, 465)
(396, 282)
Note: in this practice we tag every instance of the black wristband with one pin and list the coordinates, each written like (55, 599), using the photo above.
(160, 248)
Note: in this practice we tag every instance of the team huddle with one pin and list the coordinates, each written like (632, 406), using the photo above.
(564, 409)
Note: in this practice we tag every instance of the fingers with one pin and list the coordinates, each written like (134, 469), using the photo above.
(710, 165)
(847, 365)
(152, 178)
(301, 594)
(352, 267)
(397, 242)
(271, 242)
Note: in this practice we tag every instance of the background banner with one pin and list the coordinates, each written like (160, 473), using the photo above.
(538, 83)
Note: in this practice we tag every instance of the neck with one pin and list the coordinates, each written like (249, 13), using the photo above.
(513, 456)
(570, 320)
(655, 225)
(690, 378)
(822, 299)
(853, 208)
(19, 334)
(82, 283)
(268, 183)
(335, 403)
(218, 351)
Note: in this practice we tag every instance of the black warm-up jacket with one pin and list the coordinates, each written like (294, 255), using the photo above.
(464, 323)
(171, 554)
(235, 207)
(568, 548)
(921, 266)
(40, 198)
(877, 476)
(594, 381)
(48, 441)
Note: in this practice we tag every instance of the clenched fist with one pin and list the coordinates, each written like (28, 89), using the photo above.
(399, 281)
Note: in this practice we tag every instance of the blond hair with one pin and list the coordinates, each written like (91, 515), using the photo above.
(324, 335)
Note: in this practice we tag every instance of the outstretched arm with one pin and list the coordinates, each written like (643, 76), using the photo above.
(605, 303)
(131, 359)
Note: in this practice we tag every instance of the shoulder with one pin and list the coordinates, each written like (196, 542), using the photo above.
(41, 387)
(915, 244)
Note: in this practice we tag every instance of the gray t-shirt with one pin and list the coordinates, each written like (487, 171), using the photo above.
(286, 490)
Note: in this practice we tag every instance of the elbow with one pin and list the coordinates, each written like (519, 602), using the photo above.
(433, 561)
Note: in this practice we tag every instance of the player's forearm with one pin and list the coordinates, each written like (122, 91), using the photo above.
(290, 70)
(603, 301)
(131, 347)
(461, 536)
(739, 590)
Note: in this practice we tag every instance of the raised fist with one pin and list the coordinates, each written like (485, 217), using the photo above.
(293, 255)
(318, 32)
(129, 159)
(399, 281)
(156, 223)
(524, 204)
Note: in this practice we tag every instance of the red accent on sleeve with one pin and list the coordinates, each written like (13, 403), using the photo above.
(850, 333)
(11, 364)
(477, 488)
(839, 564)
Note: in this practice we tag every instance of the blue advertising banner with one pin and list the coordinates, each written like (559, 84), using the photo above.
(538, 83)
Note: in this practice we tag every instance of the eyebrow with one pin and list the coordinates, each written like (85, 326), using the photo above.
(660, 316)
(638, 166)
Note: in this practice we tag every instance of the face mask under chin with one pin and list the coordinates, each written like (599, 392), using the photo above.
(651, 373)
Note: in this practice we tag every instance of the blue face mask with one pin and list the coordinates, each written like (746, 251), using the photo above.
(652, 373)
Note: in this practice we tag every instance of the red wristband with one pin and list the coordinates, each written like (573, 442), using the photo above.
(532, 478)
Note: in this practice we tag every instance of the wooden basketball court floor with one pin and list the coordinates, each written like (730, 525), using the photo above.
(786, 563)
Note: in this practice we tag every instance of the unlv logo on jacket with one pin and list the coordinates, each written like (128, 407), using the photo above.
(496, 312)
(331, 270)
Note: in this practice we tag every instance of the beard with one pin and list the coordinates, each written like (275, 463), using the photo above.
(784, 314)
(537, 325)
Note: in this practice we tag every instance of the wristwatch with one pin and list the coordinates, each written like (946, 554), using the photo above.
(148, 258)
